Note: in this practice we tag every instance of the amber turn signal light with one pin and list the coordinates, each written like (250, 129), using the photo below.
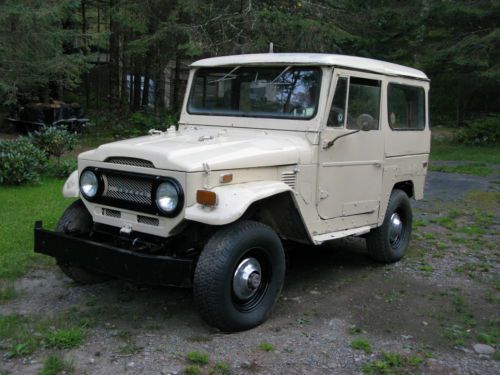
(225, 178)
(206, 198)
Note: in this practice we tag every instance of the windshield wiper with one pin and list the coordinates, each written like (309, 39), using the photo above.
(224, 78)
(279, 75)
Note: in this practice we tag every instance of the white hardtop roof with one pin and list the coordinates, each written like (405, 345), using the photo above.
(344, 61)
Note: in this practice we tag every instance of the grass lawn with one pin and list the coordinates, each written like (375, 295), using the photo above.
(20, 207)
(441, 150)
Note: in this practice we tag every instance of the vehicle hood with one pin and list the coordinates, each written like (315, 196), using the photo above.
(193, 149)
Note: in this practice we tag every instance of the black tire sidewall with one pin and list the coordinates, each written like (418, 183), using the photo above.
(77, 217)
(400, 203)
(230, 249)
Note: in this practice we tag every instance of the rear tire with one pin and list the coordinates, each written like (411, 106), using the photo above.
(239, 276)
(77, 219)
(389, 242)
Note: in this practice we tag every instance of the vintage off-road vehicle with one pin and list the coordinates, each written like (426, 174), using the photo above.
(269, 147)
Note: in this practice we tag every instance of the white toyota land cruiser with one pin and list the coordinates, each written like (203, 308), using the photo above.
(269, 147)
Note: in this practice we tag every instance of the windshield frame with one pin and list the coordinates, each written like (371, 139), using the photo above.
(237, 115)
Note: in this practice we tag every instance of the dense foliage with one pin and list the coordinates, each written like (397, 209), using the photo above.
(53, 141)
(483, 131)
(24, 159)
(47, 44)
(20, 162)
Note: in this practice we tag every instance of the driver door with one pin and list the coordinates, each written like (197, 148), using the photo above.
(350, 170)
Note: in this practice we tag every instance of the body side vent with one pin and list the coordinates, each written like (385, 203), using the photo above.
(289, 178)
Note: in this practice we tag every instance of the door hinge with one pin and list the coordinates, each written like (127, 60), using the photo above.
(323, 194)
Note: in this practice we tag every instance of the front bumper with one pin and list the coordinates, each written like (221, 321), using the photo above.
(114, 261)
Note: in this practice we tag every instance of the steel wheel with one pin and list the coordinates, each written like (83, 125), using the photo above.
(251, 280)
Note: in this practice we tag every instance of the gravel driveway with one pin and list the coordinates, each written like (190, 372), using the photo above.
(423, 308)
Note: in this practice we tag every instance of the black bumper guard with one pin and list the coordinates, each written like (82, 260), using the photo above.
(114, 261)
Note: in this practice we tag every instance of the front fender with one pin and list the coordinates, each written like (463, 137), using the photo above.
(233, 201)
(70, 188)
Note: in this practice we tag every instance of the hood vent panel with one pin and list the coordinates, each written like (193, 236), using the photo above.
(130, 161)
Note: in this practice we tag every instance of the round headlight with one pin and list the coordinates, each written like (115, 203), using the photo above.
(89, 184)
(167, 197)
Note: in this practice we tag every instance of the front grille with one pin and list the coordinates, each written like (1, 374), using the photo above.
(148, 220)
(128, 188)
(130, 161)
(289, 178)
(111, 213)
(132, 191)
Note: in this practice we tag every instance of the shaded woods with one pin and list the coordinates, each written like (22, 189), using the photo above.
(117, 54)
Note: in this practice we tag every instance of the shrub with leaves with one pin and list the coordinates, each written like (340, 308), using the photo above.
(54, 141)
(139, 123)
(61, 169)
(20, 162)
(483, 131)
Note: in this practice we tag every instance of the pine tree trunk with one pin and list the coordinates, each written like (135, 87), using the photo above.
(85, 48)
(175, 96)
(136, 104)
(159, 86)
(114, 56)
(145, 93)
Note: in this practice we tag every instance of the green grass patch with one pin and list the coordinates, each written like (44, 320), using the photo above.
(491, 337)
(21, 207)
(130, 347)
(393, 363)
(192, 370)
(65, 338)
(447, 150)
(220, 368)
(266, 346)
(477, 169)
(471, 269)
(55, 364)
(354, 330)
(361, 344)
(7, 291)
(456, 334)
(198, 358)
(484, 201)
(426, 268)
(22, 335)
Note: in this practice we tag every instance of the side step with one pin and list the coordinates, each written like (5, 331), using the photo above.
(320, 238)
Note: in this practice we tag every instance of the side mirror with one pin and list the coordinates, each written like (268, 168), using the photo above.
(365, 122)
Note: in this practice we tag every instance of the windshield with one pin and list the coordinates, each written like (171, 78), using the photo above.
(276, 92)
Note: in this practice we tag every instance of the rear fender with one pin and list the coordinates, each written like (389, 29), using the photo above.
(233, 201)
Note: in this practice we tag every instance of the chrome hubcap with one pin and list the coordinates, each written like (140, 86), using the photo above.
(395, 229)
(247, 278)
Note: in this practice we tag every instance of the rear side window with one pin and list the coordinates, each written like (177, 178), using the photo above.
(406, 107)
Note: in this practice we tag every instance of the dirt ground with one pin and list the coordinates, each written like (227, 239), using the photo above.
(431, 308)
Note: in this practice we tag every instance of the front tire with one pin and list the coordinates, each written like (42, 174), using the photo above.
(389, 242)
(77, 219)
(239, 276)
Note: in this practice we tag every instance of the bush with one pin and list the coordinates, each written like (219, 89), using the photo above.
(61, 169)
(20, 162)
(54, 141)
(139, 123)
(483, 131)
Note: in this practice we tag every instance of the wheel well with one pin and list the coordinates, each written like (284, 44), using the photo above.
(281, 214)
(406, 186)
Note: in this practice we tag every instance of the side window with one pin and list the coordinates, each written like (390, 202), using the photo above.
(337, 110)
(364, 103)
(406, 107)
